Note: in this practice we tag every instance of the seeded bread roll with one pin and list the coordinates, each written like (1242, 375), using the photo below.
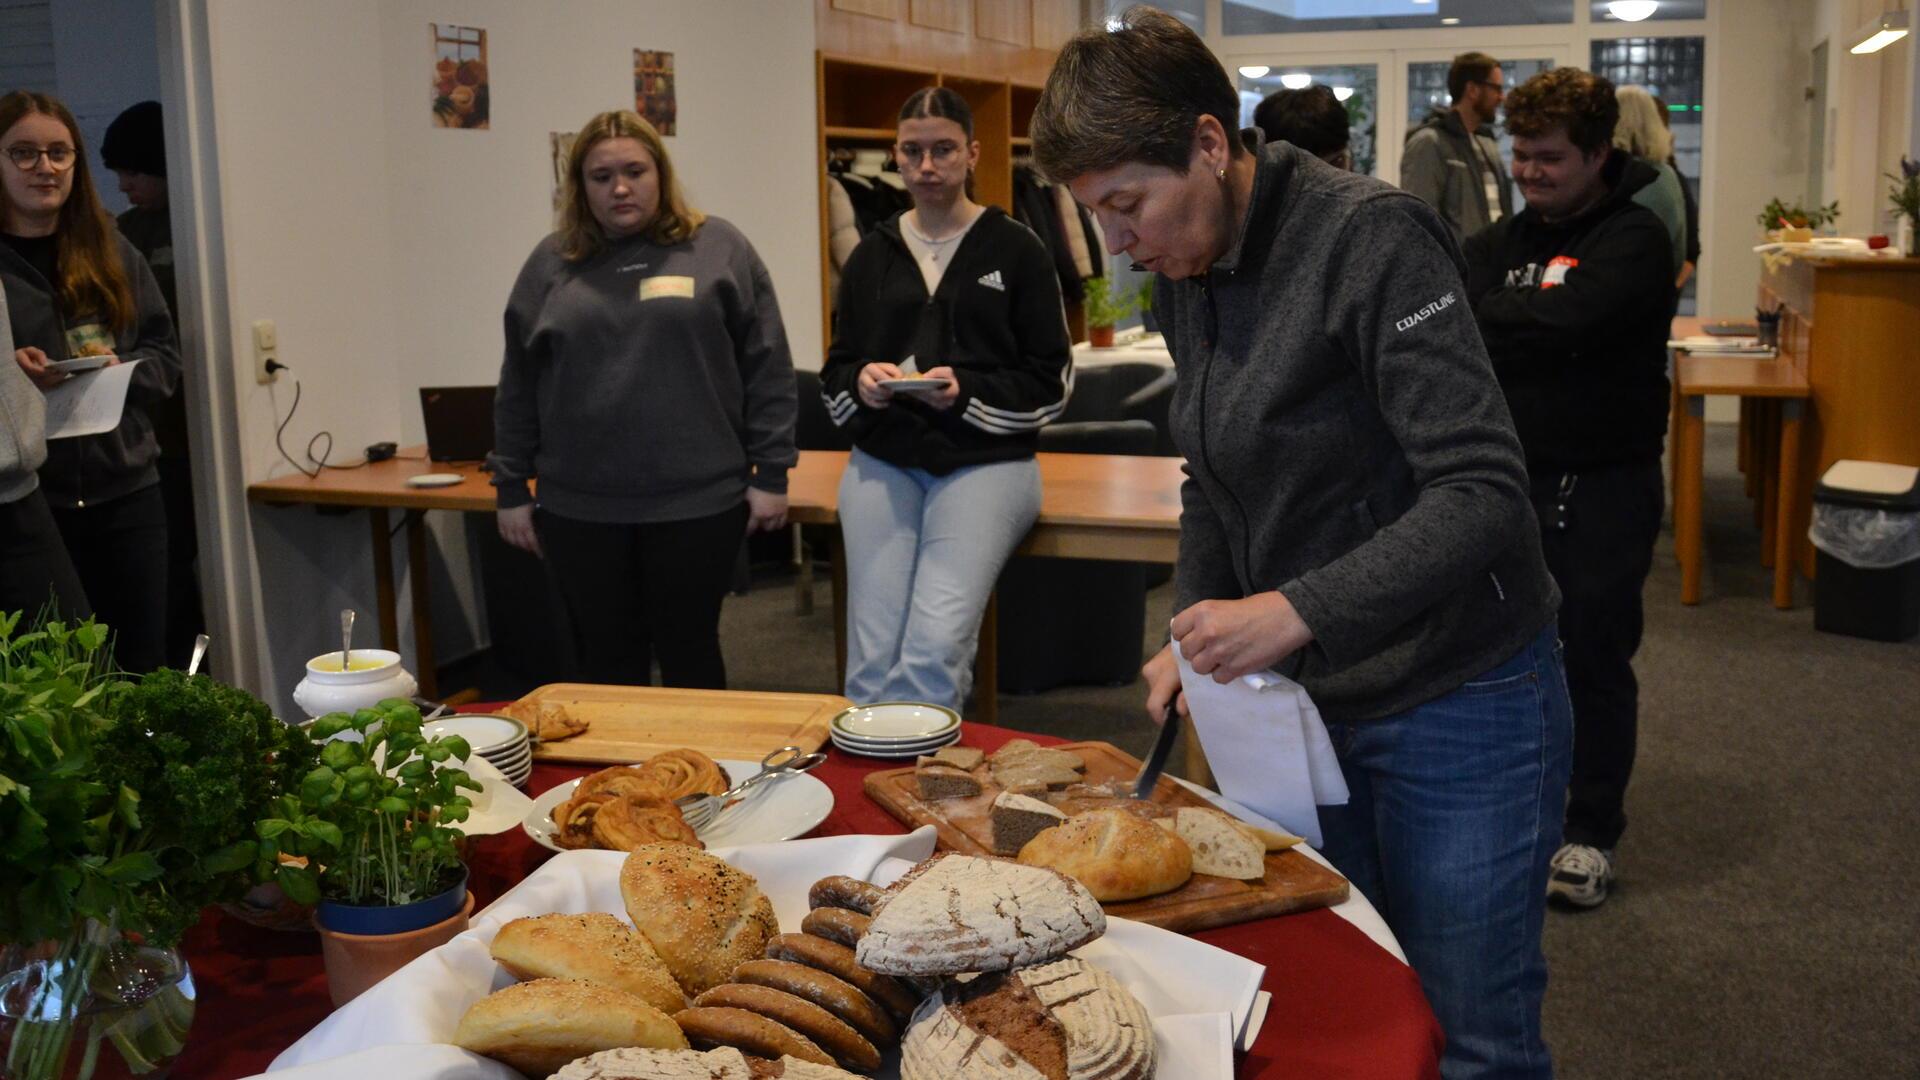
(1066, 1020)
(596, 947)
(750, 1033)
(539, 1026)
(1115, 854)
(832, 1034)
(838, 960)
(830, 992)
(961, 913)
(720, 1063)
(701, 915)
(836, 924)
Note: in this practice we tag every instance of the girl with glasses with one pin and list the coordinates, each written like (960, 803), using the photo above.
(950, 353)
(75, 287)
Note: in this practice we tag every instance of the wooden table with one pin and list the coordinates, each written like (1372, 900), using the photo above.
(1093, 506)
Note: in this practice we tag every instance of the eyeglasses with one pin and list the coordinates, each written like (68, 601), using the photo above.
(941, 152)
(59, 158)
(1499, 89)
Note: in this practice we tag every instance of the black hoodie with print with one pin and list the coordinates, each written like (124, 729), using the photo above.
(1576, 315)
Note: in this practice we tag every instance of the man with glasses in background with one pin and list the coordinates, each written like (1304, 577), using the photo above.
(1451, 160)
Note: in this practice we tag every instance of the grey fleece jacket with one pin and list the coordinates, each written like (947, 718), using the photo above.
(1446, 168)
(645, 383)
(23, 421)
(1347, 444)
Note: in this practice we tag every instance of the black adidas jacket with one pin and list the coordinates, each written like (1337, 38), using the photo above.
(1576, 316)
(996, 319)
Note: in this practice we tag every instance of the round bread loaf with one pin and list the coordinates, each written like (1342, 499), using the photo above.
(596, 947)
(829, 1032)
(836, 959)
(539, 1026)
(750, 1033)
(702, 916)
(1066, 1020)
(834, 994)
(961, 913)
(720, 1063)
(1115, 854)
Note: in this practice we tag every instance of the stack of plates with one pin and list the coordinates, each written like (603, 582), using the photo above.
(895, 729)
(501, 740)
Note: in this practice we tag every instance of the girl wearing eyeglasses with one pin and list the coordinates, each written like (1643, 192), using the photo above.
(950, 353)
(76, 288)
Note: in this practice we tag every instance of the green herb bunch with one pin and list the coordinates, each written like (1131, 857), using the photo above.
(1779, 214)
(128, 803)
(1905, 192)
(1106, 305)
(374, 817)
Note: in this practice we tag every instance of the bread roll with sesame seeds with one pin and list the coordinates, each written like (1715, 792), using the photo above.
(701, 915)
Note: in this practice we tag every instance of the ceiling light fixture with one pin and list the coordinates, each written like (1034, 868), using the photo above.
(1449, 22)
(1880, 33)
(1296, 80)
(1255, 71)
(1342, 93)
(1632, 10)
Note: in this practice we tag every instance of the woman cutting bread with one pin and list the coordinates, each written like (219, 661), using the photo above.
(1355, 513)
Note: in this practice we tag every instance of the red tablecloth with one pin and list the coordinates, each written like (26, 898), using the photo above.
(1342, 1007)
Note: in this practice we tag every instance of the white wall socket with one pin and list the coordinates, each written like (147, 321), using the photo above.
(266, 346)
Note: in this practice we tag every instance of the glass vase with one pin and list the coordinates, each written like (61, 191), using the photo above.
(94, 1006)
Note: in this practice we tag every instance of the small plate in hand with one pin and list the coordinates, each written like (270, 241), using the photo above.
(898, 385)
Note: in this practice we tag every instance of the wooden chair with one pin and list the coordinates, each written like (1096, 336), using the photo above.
(1773, 393)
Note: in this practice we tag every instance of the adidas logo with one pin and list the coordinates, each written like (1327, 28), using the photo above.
(992, 281)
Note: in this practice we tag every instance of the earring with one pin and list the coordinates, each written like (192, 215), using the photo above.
(1221, 175)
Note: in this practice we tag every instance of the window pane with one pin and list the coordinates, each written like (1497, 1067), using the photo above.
(1673, 69)
(1317, 16)
(1191, 12)
(1427, 93)
(1603, 11)
(1360, 81)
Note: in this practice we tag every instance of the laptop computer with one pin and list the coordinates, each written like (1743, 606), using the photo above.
(459, 422)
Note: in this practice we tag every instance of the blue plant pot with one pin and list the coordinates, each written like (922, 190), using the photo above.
(393, 919)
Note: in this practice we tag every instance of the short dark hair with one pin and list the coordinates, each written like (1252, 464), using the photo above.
(1130, 91)
(1469, 67)
(1579, 101)
(1311, 119)
(938, 102)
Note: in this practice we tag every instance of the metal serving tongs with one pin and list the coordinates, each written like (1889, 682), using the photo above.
(700, 809)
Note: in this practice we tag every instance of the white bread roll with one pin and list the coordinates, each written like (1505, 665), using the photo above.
(1115, 854)
(539, 1026)
(1221, 845)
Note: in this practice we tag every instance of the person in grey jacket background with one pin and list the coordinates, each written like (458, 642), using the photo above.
(1451, 160)
(1355, 513)
(34, 566)
(648, 387)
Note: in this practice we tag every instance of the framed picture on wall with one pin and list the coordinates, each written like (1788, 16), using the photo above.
(653, 89)
(460, 92)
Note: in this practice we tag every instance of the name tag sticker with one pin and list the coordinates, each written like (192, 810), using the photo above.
(1557, 268)
(664, 286)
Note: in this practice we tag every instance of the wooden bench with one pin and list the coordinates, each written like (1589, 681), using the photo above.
(1778, 390)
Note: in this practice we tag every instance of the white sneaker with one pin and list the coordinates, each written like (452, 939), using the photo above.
(1581, 875)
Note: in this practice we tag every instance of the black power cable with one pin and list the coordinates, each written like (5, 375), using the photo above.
(319, 462)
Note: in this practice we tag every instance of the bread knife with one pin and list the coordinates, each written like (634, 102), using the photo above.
(1157, 758)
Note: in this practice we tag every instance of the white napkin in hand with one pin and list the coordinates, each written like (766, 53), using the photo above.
(1267, 745)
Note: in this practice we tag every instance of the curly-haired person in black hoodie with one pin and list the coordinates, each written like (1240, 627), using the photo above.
(942, 482)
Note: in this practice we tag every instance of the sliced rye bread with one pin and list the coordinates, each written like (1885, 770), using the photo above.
(1015, 819)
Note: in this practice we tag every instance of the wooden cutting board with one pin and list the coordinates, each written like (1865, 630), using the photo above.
(1293, 882)
(632, 723)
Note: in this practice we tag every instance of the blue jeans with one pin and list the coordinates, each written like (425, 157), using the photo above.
(1455, 811)
(922, 555)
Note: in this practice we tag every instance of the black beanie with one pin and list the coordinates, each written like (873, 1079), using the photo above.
(135, 141)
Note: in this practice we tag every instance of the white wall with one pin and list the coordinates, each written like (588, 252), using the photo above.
(384, 248)
(104, 61)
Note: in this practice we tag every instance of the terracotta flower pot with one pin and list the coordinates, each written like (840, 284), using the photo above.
(1100, 337)
(357, 961)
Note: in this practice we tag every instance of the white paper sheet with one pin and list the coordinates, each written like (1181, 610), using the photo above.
(91, 403)
(1267, 745)
(1198, 995)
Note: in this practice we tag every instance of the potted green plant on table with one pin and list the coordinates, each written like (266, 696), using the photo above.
(1794, 223)
(125, 808)
(1105, 305)
(1905, 196)
(373, 821)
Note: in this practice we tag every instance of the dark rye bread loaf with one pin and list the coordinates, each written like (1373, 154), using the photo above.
(720, 1063)
(962, 913)
(1015, 819)
(1067, 1020)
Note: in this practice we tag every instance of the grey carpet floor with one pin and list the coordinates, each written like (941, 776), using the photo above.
(1762, 925)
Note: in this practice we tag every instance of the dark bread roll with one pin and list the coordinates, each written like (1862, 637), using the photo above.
(835, 924)
(832, 1034)
(747, 1032)
(836, 995)
(838, 960)
(840, 891)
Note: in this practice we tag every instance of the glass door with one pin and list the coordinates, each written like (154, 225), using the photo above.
(1356, 82)
(1426, 88)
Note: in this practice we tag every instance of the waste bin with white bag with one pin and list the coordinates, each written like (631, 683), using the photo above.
(1866, 531)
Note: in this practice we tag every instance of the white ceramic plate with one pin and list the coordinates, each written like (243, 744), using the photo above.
(897, 385)
(487, 735)
(895, 722)
(510, 756)
(434, 479)
(896, 753)
(896, 746)
(776, 810)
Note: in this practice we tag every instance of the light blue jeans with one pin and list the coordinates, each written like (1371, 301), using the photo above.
(923, 553)
(1455, 811)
